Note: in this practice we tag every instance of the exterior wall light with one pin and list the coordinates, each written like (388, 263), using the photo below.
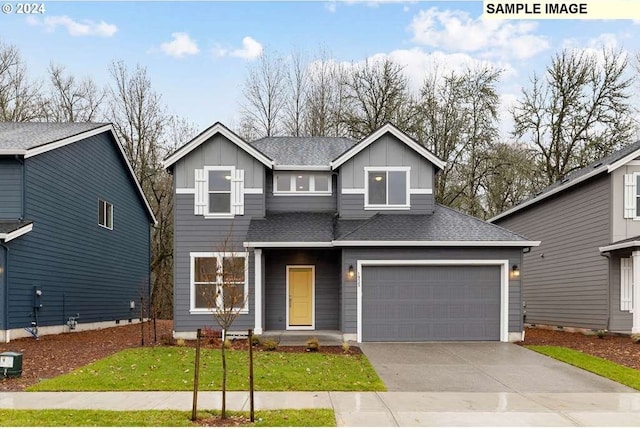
(515, 272)
(351, 272)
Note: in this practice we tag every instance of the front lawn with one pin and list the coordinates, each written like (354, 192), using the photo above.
(605, 368)
(77, 418)
(171, 369)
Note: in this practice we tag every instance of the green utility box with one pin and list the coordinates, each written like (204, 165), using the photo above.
(10, 364)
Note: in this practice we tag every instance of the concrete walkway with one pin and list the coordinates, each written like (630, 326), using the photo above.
(375, 408)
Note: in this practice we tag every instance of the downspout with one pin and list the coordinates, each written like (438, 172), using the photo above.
(6, 288)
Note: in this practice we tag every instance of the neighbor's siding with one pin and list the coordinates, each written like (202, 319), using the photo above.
(566, 279)
(350, 256)
(10, 189)
(327, 286)
(3, 287)
(300, 203)
(80, 266)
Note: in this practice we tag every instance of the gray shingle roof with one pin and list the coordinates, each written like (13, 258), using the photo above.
(27, 135)
(303, 150)
(7, 226)
(444, 224)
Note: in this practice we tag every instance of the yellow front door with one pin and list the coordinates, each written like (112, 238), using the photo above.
(300, 296)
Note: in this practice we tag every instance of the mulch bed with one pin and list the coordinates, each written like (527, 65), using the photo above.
(616, 348)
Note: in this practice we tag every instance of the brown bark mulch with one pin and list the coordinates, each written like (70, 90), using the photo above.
(616, 348)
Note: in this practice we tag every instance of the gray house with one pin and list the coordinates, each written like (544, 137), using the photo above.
(74, 230)
(338, 235)
(586, 273)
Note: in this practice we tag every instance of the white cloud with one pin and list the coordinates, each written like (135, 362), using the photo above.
(180, 46)
(331, 6)
(250, 50)
(456, 30)
(74, 28)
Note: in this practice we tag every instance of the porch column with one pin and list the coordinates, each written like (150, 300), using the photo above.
(257, 286)
(635, 327)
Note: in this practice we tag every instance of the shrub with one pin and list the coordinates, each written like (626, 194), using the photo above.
(345, 347)
(313, 345)
(255, 340)
(227, 343)
(635, 338)
(270, 344)
(180, 342)
(601, 333)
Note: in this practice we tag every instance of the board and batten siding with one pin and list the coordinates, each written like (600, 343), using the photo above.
(327, 286)
(80, 267)
(350, 256)
(566, 279)
(10, 188)
(300, 203)
(196, 234)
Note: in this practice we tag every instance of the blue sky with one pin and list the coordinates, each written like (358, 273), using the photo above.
(198, 53)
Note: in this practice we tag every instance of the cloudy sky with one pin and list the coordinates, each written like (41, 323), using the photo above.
(198, 53)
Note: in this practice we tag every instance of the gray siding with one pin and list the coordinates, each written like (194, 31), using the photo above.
(3, 288)
(327, 286)
(566, 280)
(80, 266)
(352, 206)
(620, 321)
(10, 189)
(196, 234)
(300, 203)
(218, 150)
(350, 256)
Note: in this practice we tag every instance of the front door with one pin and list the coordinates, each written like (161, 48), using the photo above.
(300, 293)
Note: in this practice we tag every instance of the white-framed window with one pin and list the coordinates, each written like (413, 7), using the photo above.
(219, 191)
(386, 188)
(219, 280)
(626, 284)
(105, 214)
(287, 183)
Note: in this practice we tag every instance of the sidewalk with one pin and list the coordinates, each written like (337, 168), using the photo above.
(374, 408)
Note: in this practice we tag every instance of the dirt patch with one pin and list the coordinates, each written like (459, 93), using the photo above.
(616, 348)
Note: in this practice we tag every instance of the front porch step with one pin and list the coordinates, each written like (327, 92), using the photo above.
(299, 338)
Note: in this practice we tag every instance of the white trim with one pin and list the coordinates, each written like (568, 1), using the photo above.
(16, 233)
(625, 245)
(624, 161)
(207, 211)
(504, 283)
(262, 244)
(353, 191)
(313, 299)
(216, 128)
(635, 306)
(253, 191)
(19, 152)
(278, 167)
(387, 128)
(257, 291)
(292, 185)
(108, 214)
(406, 206)
(634, 163)
(626, 285)
(347, 243)
(60, 143)
(420, 191)
(190, 191)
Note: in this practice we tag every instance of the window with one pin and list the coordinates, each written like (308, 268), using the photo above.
(387, 187)
(219, 281)
(219, 191)
(105, 214)
(301, 184)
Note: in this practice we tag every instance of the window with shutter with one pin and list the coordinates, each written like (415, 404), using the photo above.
(219, 191)
(631, 196)
(626, 284)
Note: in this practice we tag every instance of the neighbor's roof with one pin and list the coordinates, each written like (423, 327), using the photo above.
(604, 165)
(303, 151)
(14, 228)
(445, 227)
(21, 136)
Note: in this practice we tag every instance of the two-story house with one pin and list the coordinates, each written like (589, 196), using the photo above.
(74, 230)
(586, 273)
(338, 235)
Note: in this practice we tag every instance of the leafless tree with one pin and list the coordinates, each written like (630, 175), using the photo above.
(72, 100)
(294, 107)
(20, 98)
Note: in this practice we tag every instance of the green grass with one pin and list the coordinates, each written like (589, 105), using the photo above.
(309, 417)
(172, 368)
(621, 374)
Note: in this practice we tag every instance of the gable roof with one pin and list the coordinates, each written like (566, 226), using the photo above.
(29, 139)
(214, 129)
(604, 165)
(290, 152)
(10, 229)
(387, 128)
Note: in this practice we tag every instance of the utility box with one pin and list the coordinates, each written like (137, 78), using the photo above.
(10, 364)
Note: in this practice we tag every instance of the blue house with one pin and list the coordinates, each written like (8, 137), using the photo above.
(74, 230)
(339, 235)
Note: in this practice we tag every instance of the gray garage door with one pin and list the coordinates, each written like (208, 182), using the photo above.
(430, 303)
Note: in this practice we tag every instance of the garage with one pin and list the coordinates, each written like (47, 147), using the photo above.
(430, 302)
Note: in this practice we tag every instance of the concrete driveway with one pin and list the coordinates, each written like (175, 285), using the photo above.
(478, 367)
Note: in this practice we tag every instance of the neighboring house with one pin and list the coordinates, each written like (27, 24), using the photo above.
(586, 273)
(338, 235)
(74, 229)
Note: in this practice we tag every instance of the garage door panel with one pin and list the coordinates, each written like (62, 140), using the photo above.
(430, 303)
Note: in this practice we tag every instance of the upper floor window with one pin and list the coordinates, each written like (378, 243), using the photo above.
(386, 188)
(632, 196)
(219, 281)
(302, 183)
(219, 191)
(105, 214)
